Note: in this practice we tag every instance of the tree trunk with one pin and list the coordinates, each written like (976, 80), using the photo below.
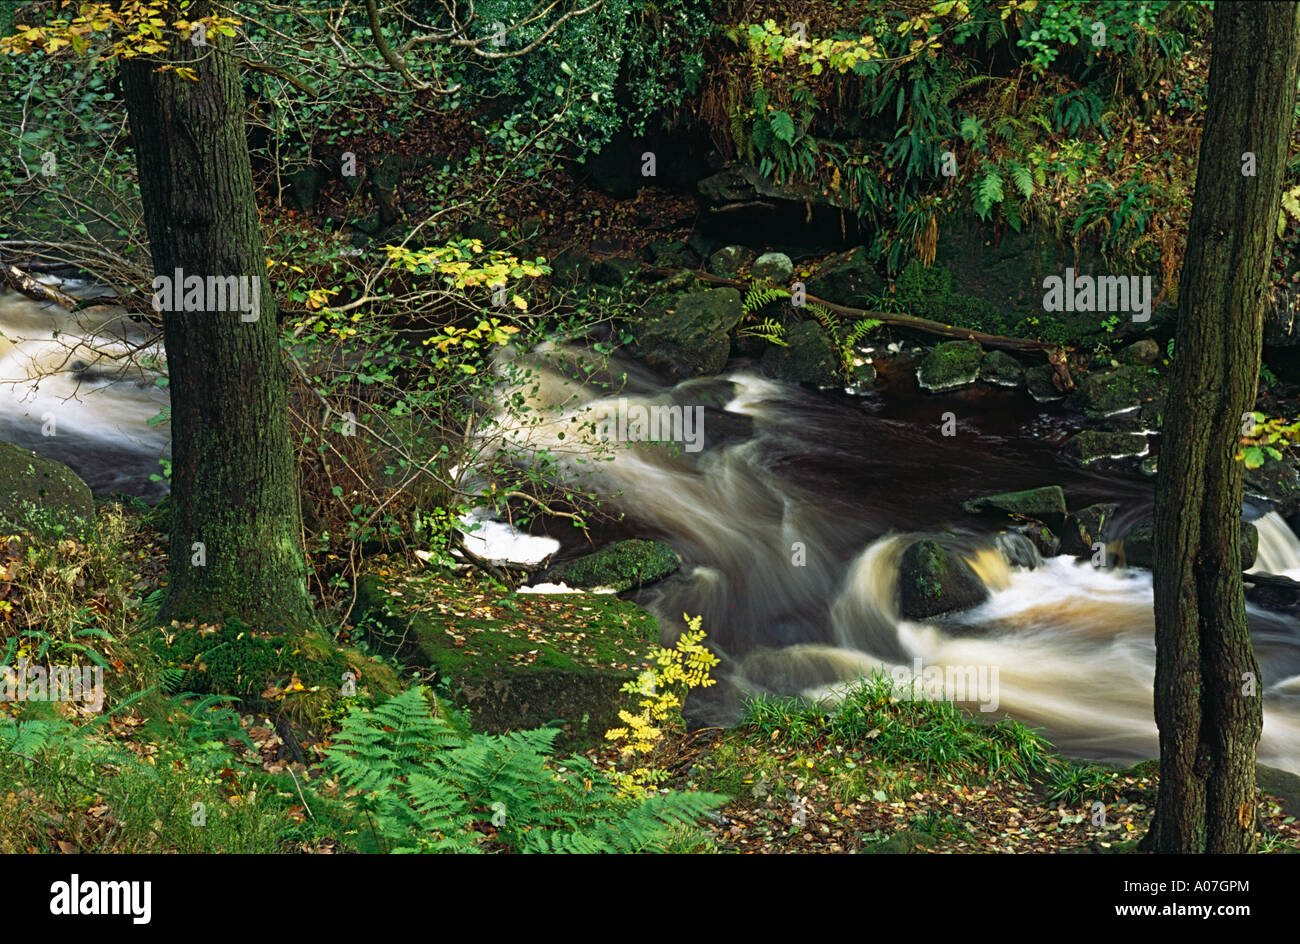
(235, 522)
(1207, 688)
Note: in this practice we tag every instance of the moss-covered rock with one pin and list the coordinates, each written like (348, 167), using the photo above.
(621, 566)
(807, 357)
(1038, 381)
(1086, 527)
(1278, 482)
(614, 271)
(1040, 535)
(41, 495)
(688, 334)
(1092, 446)
(1139, 545)
(933, 580)
(846, 279)
(1047, 503)
(950, 365)
(776, 267)
(1140, 353)
(1001, 369)
(1127, 387)
(903, 842)
(521, 662)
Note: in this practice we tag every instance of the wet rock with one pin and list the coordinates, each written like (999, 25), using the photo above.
(41, 496)
(1092, 446)
(621, 566)
(688, 334)
(1038, 380)
(1125, 388)
(950, 365)
(571, 266)
(934, 580)
(1040, 535)
(808, 357)
(774, 266)
(846, 279)
(1139, 545)
(1046, 503)
(1001, 369)
(1086, 527)
(729, 260)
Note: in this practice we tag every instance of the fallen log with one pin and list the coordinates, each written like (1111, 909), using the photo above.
(20, 281)
(925, 325)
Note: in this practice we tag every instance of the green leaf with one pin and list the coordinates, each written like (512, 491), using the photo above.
(783, 126)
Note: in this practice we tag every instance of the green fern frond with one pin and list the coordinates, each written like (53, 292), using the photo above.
(760, 295)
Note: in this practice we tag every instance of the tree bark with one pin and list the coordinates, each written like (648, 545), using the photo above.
(1207, 689)
(235, 521)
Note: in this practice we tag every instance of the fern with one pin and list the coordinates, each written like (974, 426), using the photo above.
(428, 788)
(759, 296)
(770, 331)
(988, 192)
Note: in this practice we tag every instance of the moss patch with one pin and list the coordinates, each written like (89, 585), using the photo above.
(515, 661)
(621, 566)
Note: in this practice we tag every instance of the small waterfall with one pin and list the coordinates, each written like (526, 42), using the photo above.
(1279, 549)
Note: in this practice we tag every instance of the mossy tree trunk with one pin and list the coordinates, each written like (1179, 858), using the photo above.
(1207, 688)
(235, 522)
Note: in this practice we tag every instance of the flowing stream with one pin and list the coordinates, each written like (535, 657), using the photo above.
(790, 521)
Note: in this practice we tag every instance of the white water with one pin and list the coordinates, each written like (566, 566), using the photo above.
(69, 390)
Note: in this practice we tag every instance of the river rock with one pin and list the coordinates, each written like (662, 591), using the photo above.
(846, 279)
(1127, 387)
(621, 566)
(774, 266)
(1001, 369)
(1139, 545)
(1278, 482)
(933, 580)
(1046, 503)
(41, 496)
(808, 357)
(1091, 446)
(950, 365)
(729, 260)
(1040, 535)
(1038, 380)
(687, 334)
(1086, 527)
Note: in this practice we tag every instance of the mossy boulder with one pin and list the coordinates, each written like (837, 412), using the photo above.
(1084, 528)
(1046, 503)
(623, 565)
(1001, 369)
(1125, 388)
(687, 334)
(846, 279)
(933, 580)
(1038, 381)
(776, 267)
(1139, 545)
(807, 357)
(950, 365)
(1140, 353)
(1092, 446)
(42, 496)
(903, 842)
(571, 266)
(525, 661)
